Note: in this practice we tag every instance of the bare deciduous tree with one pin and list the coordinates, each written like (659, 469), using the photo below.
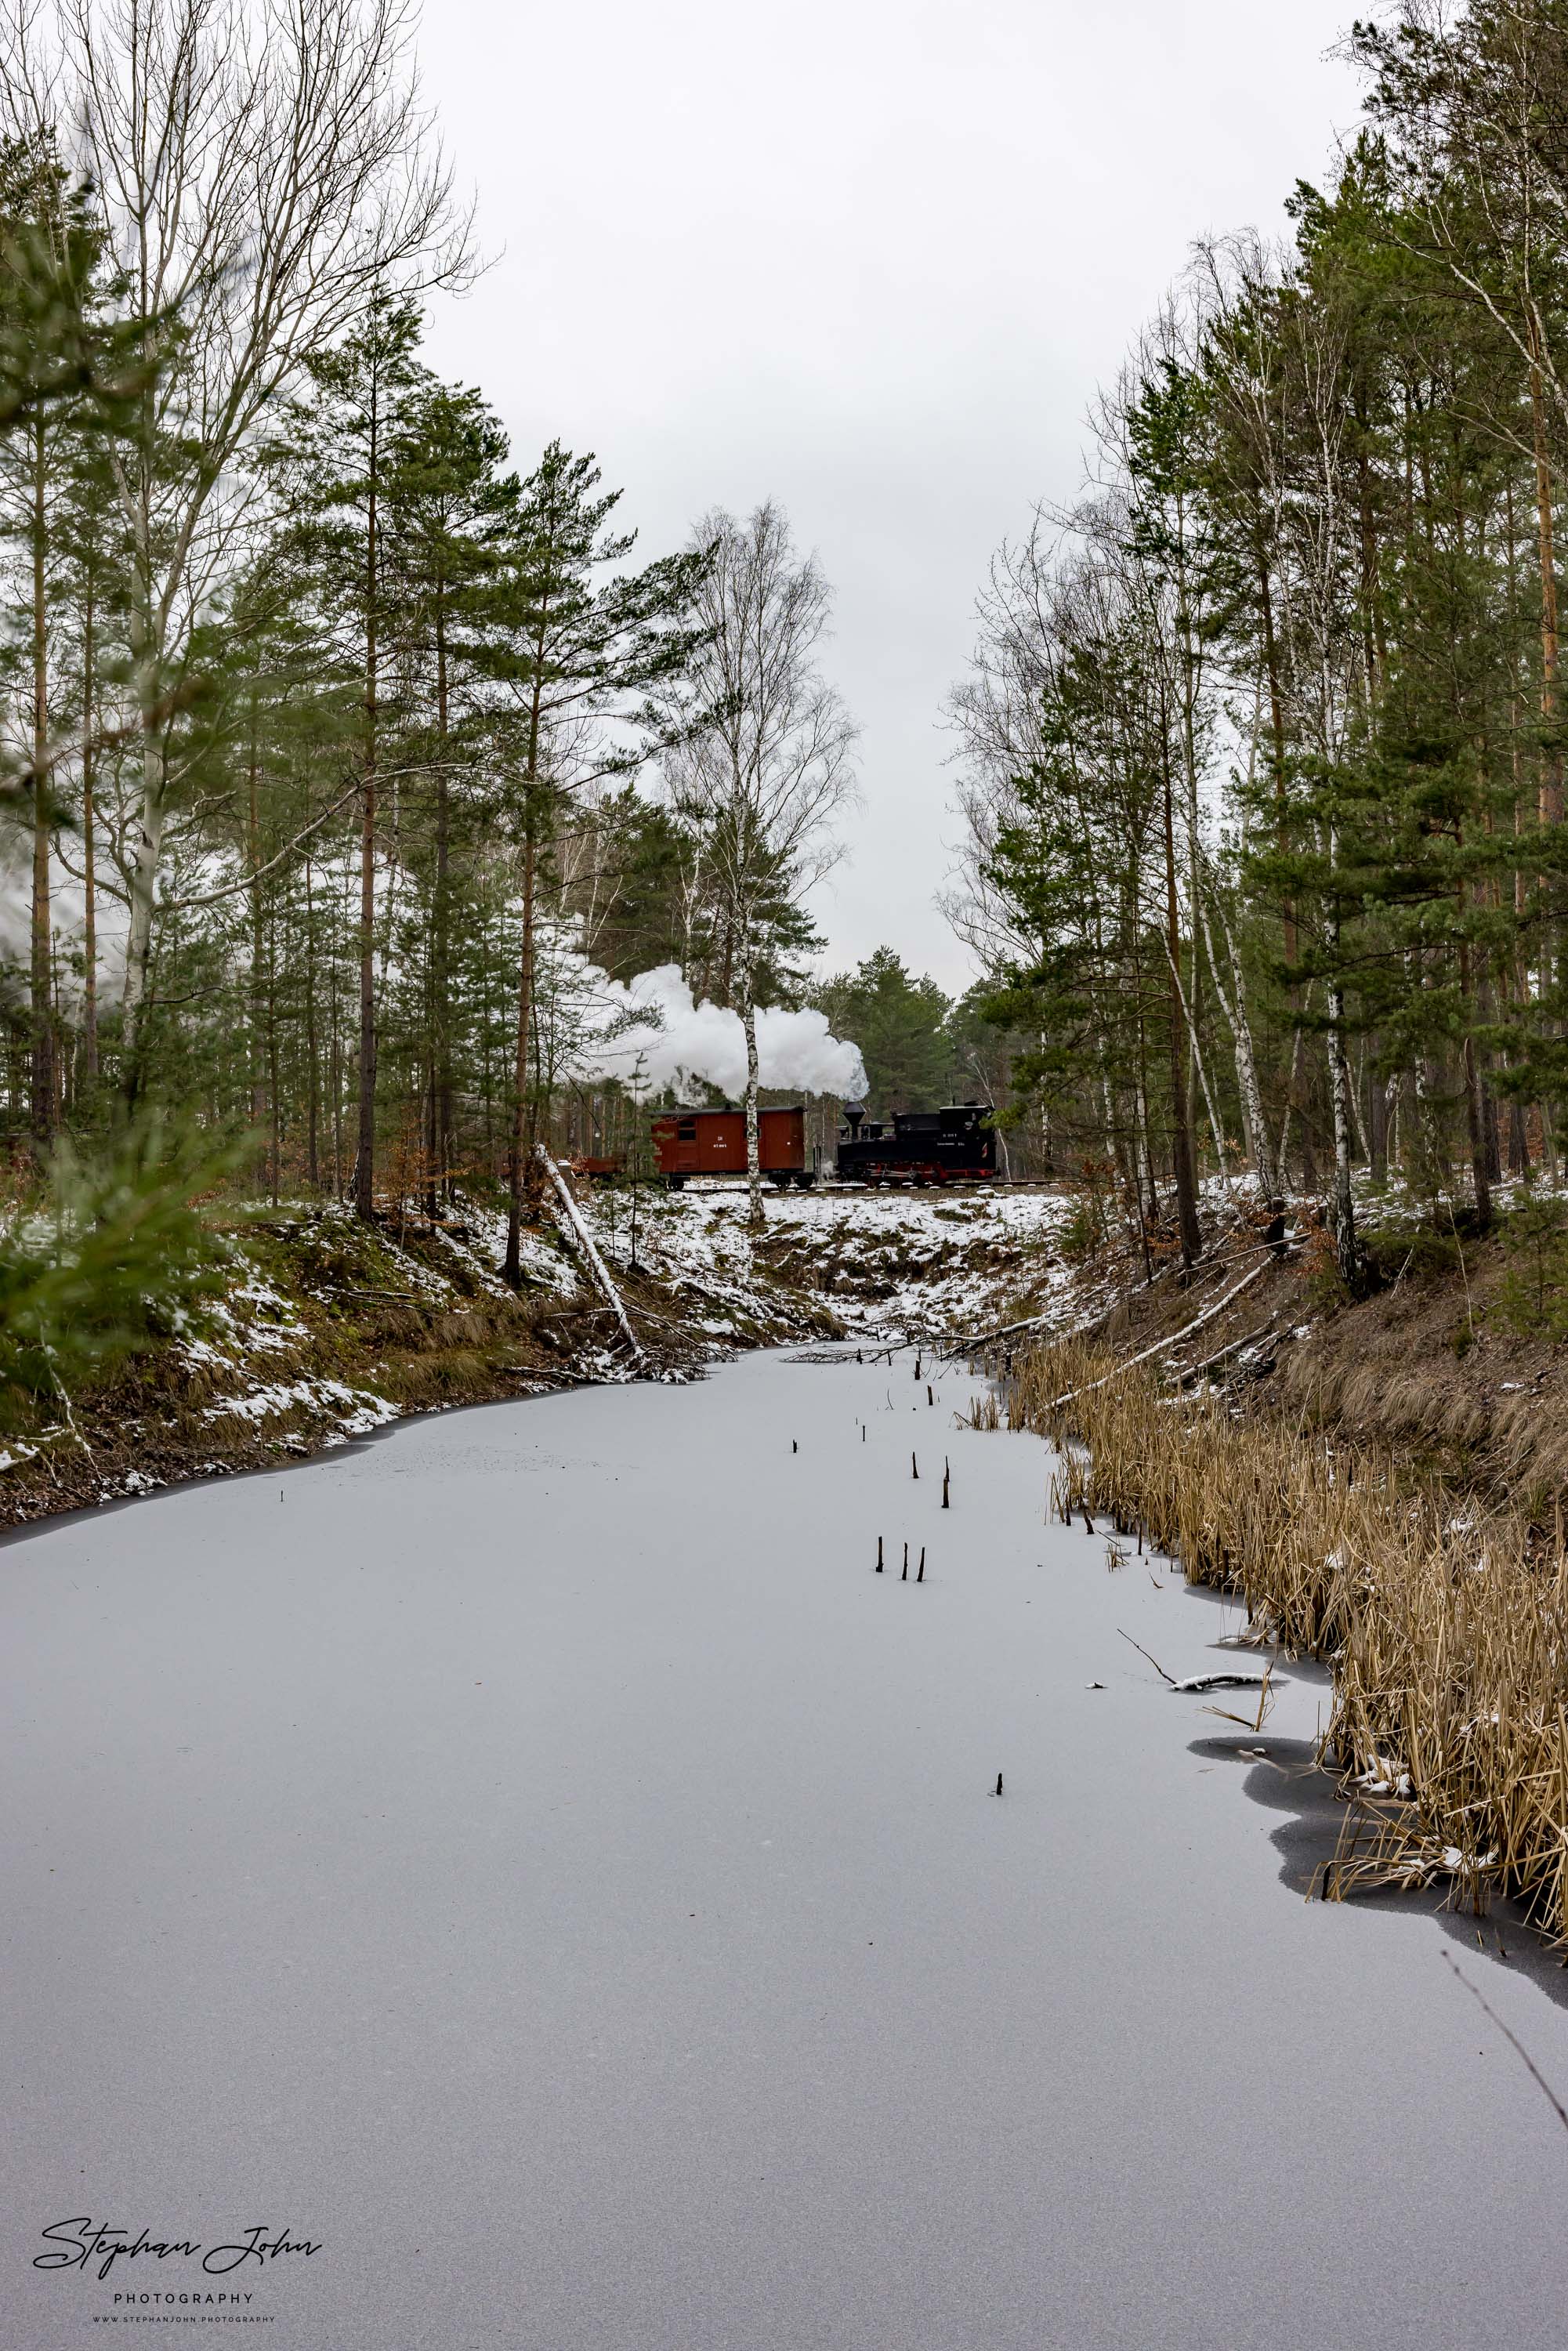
(762, 781)
(263, 167)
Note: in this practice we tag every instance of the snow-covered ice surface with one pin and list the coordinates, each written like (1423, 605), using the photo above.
(534, 1855)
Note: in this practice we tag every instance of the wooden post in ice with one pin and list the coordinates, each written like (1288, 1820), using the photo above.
(600, 1272)
(879, 1554)
(946, 1474)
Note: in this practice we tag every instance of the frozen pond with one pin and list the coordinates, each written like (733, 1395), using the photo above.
(533, 1856)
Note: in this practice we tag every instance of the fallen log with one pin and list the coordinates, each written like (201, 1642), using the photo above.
(589, 1249)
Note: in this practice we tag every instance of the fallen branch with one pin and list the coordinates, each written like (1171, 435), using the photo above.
(1536, 2076)
(962, 1342)
(1222, 1681)
(1229, 1347)
(1162, 1346)
(1154, 1661)
(600, 1272)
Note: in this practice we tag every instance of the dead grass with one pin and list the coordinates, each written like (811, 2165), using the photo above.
(1445, 1628)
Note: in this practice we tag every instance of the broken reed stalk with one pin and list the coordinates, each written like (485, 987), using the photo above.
(1445, 1629)
(905, 1577)
(946, 1478)
(879, 1554)
(914, 1467)
(921, 1577)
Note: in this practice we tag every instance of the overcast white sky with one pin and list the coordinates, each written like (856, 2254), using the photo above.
(869, 257)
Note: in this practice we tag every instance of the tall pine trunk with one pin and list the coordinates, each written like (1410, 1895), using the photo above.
(89, 1078)
(44, 1090)
(516, 1159)
(441, 1121)
(512, 1270)
(365, 1158)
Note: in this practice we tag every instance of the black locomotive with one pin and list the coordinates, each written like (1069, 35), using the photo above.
(956, 1145)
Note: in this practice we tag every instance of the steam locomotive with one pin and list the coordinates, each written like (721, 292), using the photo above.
(955, 1146)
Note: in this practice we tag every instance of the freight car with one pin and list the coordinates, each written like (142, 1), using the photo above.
(956, 1145)
(712, 1142)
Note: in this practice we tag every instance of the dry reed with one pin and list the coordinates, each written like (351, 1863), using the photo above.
(1444, 1629)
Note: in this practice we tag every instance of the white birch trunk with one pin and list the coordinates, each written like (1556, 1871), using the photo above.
(756, 1215)
(1339, 1095)
(1235, 1011)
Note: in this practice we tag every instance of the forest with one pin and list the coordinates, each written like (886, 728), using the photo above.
(1263, 743)
(354, 764)
(351, 758)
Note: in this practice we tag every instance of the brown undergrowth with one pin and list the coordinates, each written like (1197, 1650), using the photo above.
(1445, 1625)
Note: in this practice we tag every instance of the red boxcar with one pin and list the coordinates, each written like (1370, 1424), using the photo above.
(712, 1142)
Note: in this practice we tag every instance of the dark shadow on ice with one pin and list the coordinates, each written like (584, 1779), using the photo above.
(1290, 1782)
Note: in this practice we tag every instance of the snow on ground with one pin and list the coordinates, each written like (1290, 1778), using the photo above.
(533, 1855)
(885, 1261)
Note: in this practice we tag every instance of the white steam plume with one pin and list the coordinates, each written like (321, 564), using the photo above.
(655, 1020)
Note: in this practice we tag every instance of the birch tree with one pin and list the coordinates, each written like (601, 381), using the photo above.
(762, 781)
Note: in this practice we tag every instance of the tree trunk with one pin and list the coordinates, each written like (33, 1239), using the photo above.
(1181, 1168)
(1550, 802)
(90, 871)
(152, 816)
(512, 1270)
(1475, 1119)
(44, 1101)
(1339, 1095)
(1236, 1012)
(1376, 1123)
(365, 1158)
(441, 956)
(312, 1049)
(756, 1215)
(258, 1092)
